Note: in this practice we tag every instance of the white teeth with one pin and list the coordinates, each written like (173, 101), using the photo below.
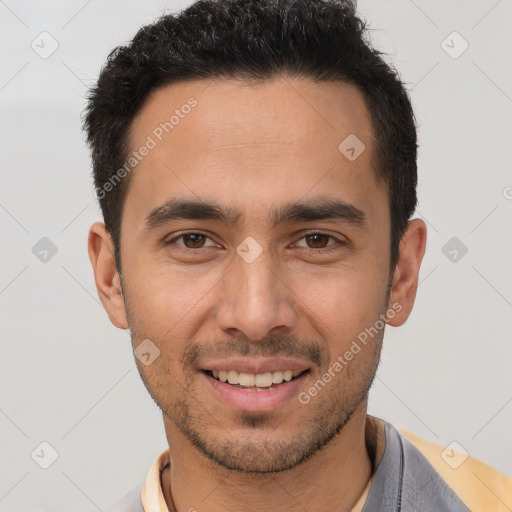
(246, 379)
(277, 377)
(260, 380)
(263, 380)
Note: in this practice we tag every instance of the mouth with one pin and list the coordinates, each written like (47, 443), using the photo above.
(262, 388)
(255, 381)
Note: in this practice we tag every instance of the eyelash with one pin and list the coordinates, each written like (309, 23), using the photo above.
(333, 246)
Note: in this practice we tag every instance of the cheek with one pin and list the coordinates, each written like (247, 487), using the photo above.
(167, 308)
(162, 297)
(342, 304)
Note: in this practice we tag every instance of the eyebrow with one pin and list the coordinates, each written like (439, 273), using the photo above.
(313, 210)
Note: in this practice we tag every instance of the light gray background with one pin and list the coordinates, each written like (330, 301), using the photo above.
(68, 375)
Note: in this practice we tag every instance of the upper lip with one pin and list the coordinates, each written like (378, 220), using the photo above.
(256, 366)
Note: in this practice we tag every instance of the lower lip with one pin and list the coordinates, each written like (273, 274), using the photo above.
(257, 401)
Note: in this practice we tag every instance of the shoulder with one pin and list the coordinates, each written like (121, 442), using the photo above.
(478, 485)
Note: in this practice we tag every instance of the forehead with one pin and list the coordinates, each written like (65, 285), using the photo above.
(231, 139)
(286, 110)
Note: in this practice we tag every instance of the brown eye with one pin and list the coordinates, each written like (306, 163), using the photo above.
(317, 240)
(193, 240)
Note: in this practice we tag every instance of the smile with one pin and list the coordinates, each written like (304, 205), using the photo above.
(256, 381)
(255, 392)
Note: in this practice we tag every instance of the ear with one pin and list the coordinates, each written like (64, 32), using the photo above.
(108, 282)
(404, 282)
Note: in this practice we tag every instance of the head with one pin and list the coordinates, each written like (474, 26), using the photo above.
(255, 164)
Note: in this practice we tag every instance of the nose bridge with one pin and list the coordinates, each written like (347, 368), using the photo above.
(254, 299)
(259, 282)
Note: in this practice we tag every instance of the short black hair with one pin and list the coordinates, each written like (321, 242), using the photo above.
(323, 40)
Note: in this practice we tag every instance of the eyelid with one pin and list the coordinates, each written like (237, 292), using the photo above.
(337, 240)
(177, 236)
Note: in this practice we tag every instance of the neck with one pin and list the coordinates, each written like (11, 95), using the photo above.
(332, 479)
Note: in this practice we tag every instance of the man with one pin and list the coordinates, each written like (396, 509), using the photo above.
(255, 163)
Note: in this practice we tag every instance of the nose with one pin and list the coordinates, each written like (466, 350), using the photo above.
(256, 300)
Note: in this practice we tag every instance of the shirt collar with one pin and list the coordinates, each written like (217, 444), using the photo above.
(151, 495)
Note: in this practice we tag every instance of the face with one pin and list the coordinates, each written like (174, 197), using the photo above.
(253, 249)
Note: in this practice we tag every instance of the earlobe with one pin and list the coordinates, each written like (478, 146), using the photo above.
(108, 283)
(404, 282)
